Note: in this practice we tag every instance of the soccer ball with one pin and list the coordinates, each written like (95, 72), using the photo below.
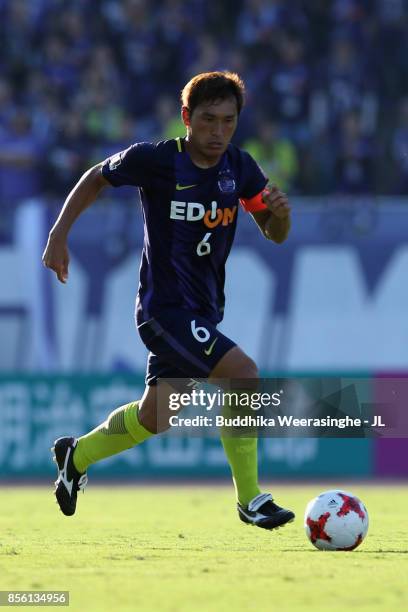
(336, 520)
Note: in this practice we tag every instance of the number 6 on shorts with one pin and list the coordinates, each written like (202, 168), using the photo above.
(200, 333)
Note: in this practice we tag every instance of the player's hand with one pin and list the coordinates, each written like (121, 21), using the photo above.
(276, 201)
(56, 257)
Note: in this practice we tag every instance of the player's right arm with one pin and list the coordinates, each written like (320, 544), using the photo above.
(133, 166)
(85, 192)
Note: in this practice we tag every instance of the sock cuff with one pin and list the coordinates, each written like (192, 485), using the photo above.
(132, 424)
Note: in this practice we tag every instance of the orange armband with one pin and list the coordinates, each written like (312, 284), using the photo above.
(254, 204)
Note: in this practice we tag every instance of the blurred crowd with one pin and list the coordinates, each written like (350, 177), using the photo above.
(327, 87)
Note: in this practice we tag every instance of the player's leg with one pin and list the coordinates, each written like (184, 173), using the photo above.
(125, 427)
(241, 452)
(254, 507)
(196, 348)
(120, 431)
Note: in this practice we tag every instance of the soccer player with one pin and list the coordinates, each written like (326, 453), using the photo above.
(190, 190)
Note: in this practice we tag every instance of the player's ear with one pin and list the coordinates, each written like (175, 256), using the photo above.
(185, 115)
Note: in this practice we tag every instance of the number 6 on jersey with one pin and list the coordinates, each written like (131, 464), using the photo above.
(204, 247)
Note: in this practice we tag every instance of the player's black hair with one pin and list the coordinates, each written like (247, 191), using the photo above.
(211, 87)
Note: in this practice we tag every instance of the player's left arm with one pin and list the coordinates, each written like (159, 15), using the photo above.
(274, 220)
(268, 205)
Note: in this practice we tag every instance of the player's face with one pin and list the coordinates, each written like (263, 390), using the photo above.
(211, 126)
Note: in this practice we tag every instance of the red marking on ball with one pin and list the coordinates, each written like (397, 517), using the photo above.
(350, 504)
(317, 531)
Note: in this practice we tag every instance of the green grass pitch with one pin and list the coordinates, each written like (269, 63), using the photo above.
(180, 548)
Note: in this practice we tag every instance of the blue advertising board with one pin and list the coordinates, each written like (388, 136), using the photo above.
(34, 410)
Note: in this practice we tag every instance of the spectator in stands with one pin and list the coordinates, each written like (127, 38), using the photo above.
(400, 149)
(391, 45)
(209, 56)
(276, 154)
(259, 21)
(346, 82)
(169, 123)
(6, 104)
(58, 66)
(354, 157)
(20, 158)
(289, 90)
(350, 19)
(20, 171)
(69, 155)
(103, 115)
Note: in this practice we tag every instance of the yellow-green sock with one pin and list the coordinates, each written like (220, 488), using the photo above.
(241, 449)
(242, 455)
(120, 431)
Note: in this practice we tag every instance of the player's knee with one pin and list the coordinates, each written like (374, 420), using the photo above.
(148, 416)
(153, 417)
(152, 423)
(159, 428)
(244, 374)
(235, 364)
(246, 368)
(247, 376)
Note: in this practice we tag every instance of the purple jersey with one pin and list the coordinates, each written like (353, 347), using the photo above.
(190, 216)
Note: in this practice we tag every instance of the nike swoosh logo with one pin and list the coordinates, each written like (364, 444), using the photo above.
(210, 348)
(181, 187)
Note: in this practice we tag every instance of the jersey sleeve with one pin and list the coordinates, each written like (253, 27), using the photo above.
(253, 185)
(133, 166)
